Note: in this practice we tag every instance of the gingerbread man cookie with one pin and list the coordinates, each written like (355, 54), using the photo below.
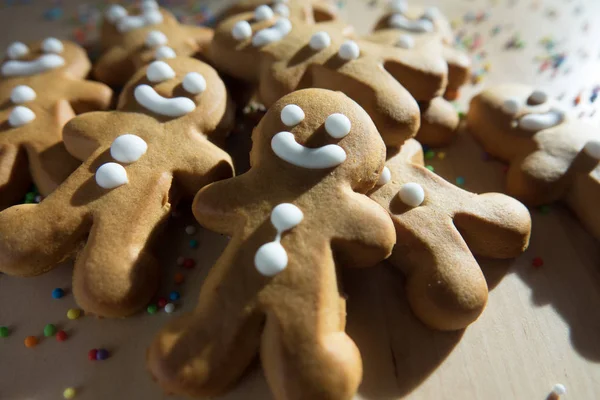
(136, 36)
(310, 11)
(439, 227)
(42, 86)
(290, 54)
(136, 162)
(551, 157)
(293, 218)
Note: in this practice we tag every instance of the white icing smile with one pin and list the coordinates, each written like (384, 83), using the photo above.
(44, 63)
(285, 147)
(147, 97)
(421, 25)
(538, 122)
(273, 34)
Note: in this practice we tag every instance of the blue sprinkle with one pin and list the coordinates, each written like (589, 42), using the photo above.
(174, 295)
(460, 181)
(58, 293)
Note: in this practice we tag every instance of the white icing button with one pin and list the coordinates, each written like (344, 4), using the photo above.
(338, 125)
(20, 116)
(155, 39)
(164, 52)
(270, 259)
(115, 12)
(149, 5)
(17, 50)
(111, 175)
(275, 33)
(241, 30)
(399, 6)
(153, 17)
(52, 45)
(284, 145)
(538, 97)
(511, 106)
(26, 68)
(349, 50)
(431, 13)
(282, 10)
(147, 97)
(411, 194)
(399, 21)
(194, 83)
(263, 13)
(385, 177)
(537, 122)
(319, 41)
(592, 148)
(559, 389)
(128, 148)
(292, 115)
(159, 71)
(405, 42)
(22, 94)
(286, 216)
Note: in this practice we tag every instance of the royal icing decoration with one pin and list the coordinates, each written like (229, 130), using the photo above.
(538, 97)
(271, 258)
(52, 45)
(194, 83)
(128, 148)
(538, 122)
(164, 52)
(411, 194)
(115, 13)
(111, 175)
(155, 39)
(44, 63)
(241, 30)
(20, 116)
(149, 16)
(284, 145)
(431, 13)
(159, 71)
(263, 13)
(405, 42)
(337, 125)
(292, 115)
(349, 50)
(385, 177)
(511, 106)
(17, 50)
(592, 148)
(147, 97)
(273, 34)
(22, 94)
(399, 21)
(319, 41)
(399, 6)
(282, 10)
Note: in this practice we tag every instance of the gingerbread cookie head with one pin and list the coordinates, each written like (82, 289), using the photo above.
(439, 228)
(315, 154)
(49, 57)
(137, 36)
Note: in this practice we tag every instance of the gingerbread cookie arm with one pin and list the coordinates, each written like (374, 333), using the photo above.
(114, 67)
(14, 176)
(86, 96)
(439, 123)
(200, 35)
(459, 68)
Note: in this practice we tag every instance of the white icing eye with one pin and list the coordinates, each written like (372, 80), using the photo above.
(22, 94)
(399, 6)
(17, 50)
(241, 30)
(292, 115)
(52, 45)
(592, 148)
(263, 13)
(273, 34)
(431, 13)
(338, 125)
(349, 50)
(319, 41)
(20, 116)
(282, 10)
(538, 97)
(149, 5)
(385, 177)
(115, 13)
(286, 216)
(511, 106)
(155, 39)
(194, 83)
(128, 148)
(405, 42)
(159, 71)
(153, 17)
(111, 175)
(412, 194)
(164, 52)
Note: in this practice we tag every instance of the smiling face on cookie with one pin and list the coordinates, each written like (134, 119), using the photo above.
(50, 55)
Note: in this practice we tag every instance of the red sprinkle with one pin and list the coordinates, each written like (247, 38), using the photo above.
(92, 354)
(189, 263)
(161, 302)
(61, 336)
(537, 262)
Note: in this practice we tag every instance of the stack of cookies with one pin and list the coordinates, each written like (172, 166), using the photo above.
(337, 179)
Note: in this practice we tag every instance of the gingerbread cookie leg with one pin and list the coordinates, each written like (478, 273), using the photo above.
(459, 68)
(14, 176)
(114, 67)
(439, 123)
(86, 96)
(200, 35)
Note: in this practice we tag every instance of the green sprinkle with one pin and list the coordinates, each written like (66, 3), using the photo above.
(193, 243)
(430, 154)
(462, 115)
(460, 181)
(4, 332)
(152, 309)
(545, 209)
(429, 167)
(49, 330)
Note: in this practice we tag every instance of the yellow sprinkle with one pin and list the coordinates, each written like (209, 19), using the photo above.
(487, 67)
(441, 155)
(69, 393)
(73, 313)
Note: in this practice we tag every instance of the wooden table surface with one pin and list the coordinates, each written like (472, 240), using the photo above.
(541, 326)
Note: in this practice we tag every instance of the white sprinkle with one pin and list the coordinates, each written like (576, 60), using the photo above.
(338, 125)
(559, 389)
(241, 30)
(349, 50)
(319, 41)
(169, 308)
(194, 83)
(385, 177)
(190, 229)
(292, 115)
(412, 194)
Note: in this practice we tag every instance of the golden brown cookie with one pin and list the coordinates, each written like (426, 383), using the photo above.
(42, 86)
(439, 228)
(310, 11)
(135, 36)
(275, 288)
(439, 123)
(137, 161)
(551, 157)
(288, 54)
